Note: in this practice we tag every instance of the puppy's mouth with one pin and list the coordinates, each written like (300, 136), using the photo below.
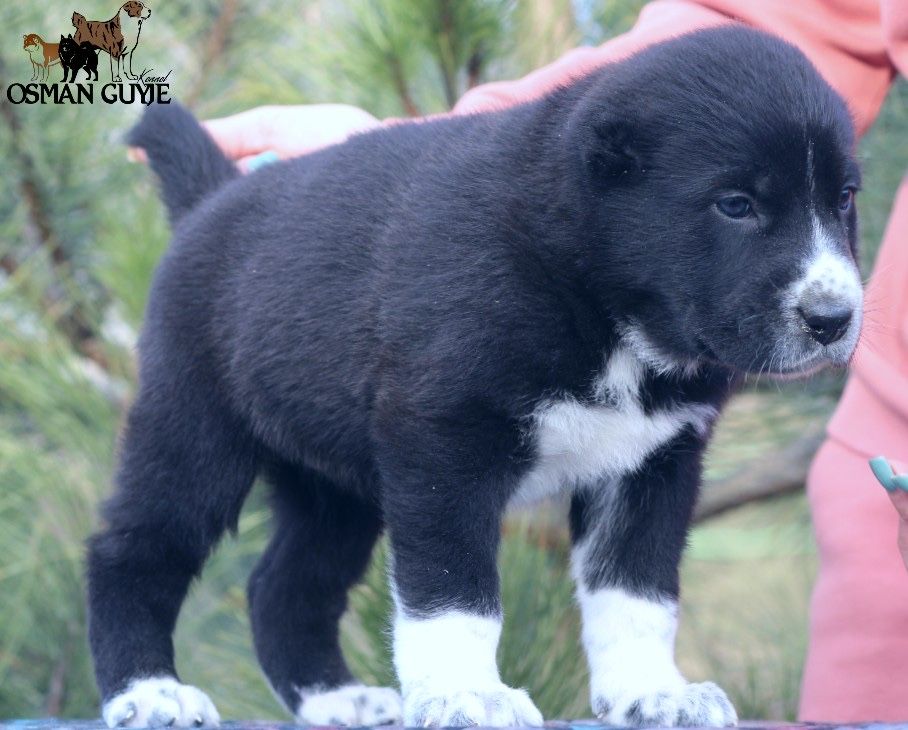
(792, 354)
(807, 366)
(799, 353)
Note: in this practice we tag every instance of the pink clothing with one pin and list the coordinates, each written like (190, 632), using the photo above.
(859, 612)
(845, 39)
(873, 413)
(859, 615)
(858, 647)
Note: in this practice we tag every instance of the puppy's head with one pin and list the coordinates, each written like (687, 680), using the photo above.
(30, 40)
(720, 186)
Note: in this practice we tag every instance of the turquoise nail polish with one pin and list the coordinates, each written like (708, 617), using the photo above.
(900, 482)
(883, 472)
(265, 158)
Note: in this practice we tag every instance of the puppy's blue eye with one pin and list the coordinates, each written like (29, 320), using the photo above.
(846, 198)
(735, 206)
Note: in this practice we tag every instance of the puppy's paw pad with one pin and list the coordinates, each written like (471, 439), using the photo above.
(706, 705)
(692, 705)
(498, 706)
(160, 702)
(658, 709)
(351, 706)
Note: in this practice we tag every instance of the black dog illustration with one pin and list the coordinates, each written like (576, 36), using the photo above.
(75, 56)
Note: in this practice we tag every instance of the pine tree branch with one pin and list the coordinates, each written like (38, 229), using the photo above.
(74, 323)
(8, 264)
(215, 47)
(39, 218)
(781, 473)
(445, 41)
(475, 65)
(400, 85)
(56, 691)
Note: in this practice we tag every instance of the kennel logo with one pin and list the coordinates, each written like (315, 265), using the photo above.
(84, 49)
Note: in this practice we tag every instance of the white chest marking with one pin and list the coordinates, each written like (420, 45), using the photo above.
(129, 27)
(579, 443)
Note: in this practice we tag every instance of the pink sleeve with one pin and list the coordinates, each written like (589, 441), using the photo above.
(895, 32)
(658, 20)
(844, 39)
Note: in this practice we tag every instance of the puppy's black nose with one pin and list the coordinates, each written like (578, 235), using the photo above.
(826, 323)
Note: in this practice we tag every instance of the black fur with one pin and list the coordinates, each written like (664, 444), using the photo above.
(310, 515)
(192, 164)
(75, 56)
(372, 326)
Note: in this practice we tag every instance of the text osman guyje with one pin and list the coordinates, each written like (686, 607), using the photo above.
(153, 90)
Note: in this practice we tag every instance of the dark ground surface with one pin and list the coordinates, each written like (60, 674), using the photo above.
(53, 724)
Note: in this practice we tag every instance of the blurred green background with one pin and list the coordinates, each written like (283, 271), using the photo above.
(80, 231)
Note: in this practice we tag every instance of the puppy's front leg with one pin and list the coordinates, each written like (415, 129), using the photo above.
(628, 537)
(443, 502)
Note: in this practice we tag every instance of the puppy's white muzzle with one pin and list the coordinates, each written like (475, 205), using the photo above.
(823, 309)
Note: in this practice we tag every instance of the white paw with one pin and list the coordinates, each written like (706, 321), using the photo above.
(353, 706)
(160, 702)
(496, 706)
(691, 705)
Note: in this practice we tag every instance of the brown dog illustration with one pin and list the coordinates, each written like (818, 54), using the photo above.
(42, 55)
(119, 36)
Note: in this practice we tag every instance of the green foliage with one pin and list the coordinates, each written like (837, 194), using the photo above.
(63, 390)
(56, 434)
(608, 19)
(397, 57)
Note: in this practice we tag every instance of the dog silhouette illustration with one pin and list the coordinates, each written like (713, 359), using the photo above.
(118, 36)
(42, 55)
(75, 56)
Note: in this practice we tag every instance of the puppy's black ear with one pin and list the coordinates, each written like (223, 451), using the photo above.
(614, 150)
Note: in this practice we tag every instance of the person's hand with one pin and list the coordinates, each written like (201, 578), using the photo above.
(266, 133)
(896, 485)
(899, 498)
(286, 131)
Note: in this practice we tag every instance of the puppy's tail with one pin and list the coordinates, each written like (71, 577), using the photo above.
(183, 156)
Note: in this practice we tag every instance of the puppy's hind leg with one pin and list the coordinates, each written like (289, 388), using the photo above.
(186, 466)
(322, 541)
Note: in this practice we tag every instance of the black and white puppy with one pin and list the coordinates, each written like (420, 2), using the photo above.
(414, 329)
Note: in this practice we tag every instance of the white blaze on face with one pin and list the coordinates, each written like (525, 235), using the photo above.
(828, 278)
(828, 273)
